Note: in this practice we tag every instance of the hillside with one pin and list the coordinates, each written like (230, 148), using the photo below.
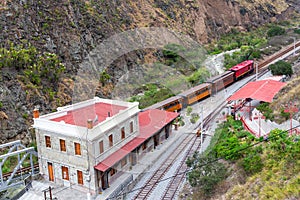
(237, 165)
(70, 29)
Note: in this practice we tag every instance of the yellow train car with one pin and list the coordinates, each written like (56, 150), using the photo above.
(171, 104)
(196, 94)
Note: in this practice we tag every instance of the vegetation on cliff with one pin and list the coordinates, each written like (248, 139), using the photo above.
(269, 166)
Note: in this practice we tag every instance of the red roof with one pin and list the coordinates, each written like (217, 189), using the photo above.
(263, 90)
(98, 111)
(150, 122)
(241, 65)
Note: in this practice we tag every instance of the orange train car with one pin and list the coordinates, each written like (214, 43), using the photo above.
(195, 94)
(171, 104)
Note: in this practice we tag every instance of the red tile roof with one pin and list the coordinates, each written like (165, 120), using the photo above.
(80, 116)
(263, 90)
(150, 122)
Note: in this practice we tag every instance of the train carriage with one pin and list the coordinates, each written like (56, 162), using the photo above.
(195, 94)
(171, 104)
(221, 81)
(242, 69)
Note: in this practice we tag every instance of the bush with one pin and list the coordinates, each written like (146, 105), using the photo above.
(194, 118)
(275, 30)
(297, 31)
(281, 68)
(266, 110)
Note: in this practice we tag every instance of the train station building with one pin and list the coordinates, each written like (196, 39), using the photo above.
(88, 145)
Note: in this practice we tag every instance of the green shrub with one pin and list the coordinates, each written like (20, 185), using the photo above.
(281, 68)
(194, 118)
(35, 66)
(265, 109)
(189, 110)
(275, 30)
(297, 31)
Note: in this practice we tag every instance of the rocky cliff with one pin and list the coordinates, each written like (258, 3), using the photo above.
(72, 28)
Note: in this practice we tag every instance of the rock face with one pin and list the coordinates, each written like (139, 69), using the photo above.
(72, 28)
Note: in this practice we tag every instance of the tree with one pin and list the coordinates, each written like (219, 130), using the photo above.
(206, 173)
(104, 77)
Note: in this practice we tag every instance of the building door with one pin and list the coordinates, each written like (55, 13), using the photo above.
(104, 180)
(79, 177)
(50, 172)
(65, 173)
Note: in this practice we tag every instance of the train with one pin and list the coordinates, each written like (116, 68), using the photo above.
(204, 90)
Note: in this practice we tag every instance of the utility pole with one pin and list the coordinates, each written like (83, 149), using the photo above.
(291, 108)
(89, 126)
(201, 127)
(256, 71)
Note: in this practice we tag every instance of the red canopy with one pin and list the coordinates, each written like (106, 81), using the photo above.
(150, 122)
(263, 90)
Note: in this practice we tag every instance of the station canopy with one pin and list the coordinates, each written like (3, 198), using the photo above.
(263, 90)
(150, 122)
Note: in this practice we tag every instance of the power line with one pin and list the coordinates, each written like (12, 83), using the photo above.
(207, 163)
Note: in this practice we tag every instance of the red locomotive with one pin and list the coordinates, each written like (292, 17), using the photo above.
(242, 69)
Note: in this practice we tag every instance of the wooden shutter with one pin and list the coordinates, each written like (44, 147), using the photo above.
(77, 148)
(62, 145)
(122, 133)
(48, 141)
(131, 127)
(111, 141)
(101, 147)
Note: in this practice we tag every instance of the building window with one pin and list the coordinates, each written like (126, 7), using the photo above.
(123, 162)
(65, 173)
(62, 145)
(131, 127)
(111, 141)
(101, 147)
(79, 177)
(48, 141)
(77, 148)
(122, 133)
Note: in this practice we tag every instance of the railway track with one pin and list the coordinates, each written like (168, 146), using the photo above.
(19, 172)
(152, 182)
(263, 64)
(177, 180)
